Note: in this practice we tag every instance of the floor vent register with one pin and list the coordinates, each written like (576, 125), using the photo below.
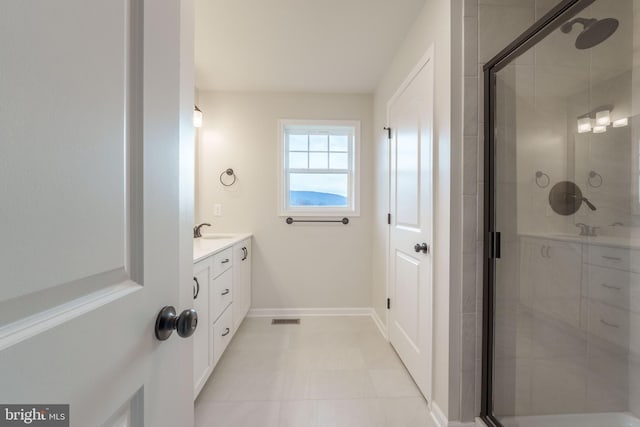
(285, 321)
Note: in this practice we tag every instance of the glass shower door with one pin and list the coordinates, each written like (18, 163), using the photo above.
(565, 188)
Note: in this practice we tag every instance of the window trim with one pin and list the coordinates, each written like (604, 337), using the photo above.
(329, 212)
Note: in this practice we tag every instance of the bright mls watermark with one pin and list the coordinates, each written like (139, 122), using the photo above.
(34, 415)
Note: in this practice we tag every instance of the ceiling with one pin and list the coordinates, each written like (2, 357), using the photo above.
(323, 46)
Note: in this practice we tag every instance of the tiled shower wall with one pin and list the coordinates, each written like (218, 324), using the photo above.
(489, 26)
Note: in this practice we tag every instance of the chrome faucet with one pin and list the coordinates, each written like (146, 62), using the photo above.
(587, 230)
(196, 230)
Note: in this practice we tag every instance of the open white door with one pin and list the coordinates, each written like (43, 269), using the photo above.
(96, 159)
(410, 117)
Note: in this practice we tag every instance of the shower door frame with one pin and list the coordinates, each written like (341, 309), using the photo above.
(565, 10)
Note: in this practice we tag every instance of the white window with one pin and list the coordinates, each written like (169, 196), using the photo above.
(319, 173)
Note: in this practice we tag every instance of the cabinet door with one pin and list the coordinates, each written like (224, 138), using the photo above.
(202, 353)
(241, 281)
(563, 294)
(534, 272)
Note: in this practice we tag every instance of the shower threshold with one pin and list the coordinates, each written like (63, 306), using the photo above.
(605, 419)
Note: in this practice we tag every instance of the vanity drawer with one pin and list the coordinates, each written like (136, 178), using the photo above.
(618, 288)
(222, 261)
(612, 324)
(221, 294)
(622, 259)
(222, 333)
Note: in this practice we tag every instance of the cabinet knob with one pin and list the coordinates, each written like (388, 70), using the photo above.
(167, 321)
(226, 332)
(225, 292)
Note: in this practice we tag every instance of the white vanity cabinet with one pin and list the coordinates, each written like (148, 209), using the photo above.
(202, 351)
(551, 272)
(222, 295)
(241, 281)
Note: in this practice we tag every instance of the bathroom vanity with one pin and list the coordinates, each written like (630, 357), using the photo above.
(579, 308)
(593, 283)
(221, 296)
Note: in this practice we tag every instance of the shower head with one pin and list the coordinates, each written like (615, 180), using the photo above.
(594, 32)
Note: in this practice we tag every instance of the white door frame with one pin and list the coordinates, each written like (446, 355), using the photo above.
(426, 57)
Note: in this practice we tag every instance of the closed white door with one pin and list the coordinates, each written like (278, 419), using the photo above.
(410, 117)
(96, 100)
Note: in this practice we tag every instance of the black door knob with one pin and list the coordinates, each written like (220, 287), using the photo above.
(167, 320)
(421, 247)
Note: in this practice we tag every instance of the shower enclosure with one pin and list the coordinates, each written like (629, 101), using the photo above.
(562, 221)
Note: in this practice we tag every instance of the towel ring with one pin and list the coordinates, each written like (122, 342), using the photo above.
(540, 174)
(228, 172)
(595, 176)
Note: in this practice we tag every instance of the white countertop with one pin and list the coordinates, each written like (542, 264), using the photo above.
(612, 241)
(209, 244)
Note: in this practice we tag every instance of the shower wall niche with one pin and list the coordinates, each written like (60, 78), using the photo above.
(562, 299)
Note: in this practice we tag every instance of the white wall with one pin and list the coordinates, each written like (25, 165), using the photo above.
(294, 266)
(432, 27)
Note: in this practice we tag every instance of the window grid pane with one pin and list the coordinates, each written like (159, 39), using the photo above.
(319, 143)
(298, 142)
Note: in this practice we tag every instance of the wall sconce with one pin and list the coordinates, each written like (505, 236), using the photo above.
(598, 119)
(197, 117)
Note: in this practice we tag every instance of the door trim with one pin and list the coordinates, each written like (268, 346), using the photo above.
(426, 58)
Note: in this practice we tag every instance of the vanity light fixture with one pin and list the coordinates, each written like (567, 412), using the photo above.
(597, 120)
(584, 124)
(620, 123)
(197, 117)
(603, 118)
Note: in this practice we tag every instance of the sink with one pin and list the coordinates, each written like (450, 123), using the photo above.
(217, 236)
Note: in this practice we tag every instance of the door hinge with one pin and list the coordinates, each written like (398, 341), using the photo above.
(495, 244)
(389, 219)
(388, 132)
(388, 303)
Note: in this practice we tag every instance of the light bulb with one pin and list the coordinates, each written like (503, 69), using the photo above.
(197, 117)
(603, 118)
(599, 129)
(584, 125)
(621, 123)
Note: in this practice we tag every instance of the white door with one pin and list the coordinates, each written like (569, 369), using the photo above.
(410, 117)
(96, 100)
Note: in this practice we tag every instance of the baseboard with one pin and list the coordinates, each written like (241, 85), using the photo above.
(438, 416)
(441, 420)
(302, 312)
(379, 323)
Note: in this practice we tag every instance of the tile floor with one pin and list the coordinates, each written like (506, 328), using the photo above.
(325, 372)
